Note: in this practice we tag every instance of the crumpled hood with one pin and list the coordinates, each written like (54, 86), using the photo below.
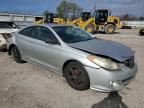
(107, 48)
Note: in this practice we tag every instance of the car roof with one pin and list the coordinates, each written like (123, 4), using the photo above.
(56, 25)
(47, 25)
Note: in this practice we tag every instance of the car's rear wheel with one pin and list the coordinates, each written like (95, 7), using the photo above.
(16, 55)
(76, 76)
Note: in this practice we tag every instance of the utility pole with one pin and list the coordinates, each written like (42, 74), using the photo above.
(94, 5)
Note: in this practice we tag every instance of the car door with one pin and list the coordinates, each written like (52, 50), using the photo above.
(22, 41)
(42, 52)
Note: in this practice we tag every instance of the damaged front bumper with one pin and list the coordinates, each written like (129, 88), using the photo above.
(110, 81)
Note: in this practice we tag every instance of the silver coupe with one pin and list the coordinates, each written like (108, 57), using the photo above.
(84, 60)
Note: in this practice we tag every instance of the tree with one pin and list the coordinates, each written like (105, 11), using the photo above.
(128, 17)
(68, 9)
(46, 12)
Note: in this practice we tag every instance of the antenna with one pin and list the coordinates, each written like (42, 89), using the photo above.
(94, 5)
(94, 8)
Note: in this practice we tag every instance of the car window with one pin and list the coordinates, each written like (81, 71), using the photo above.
(42, 33)
(7, 25)
(35, 32)
(26, 31)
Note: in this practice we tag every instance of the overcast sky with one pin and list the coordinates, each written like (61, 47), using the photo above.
(118, 7)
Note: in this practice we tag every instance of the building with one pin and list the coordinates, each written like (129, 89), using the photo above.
(18, 18)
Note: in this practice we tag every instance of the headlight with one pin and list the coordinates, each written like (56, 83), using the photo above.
(104, 62)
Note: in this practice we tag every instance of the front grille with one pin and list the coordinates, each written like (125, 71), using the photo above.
(130, 62)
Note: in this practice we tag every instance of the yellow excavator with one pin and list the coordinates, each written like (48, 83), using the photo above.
(38, 20)
(101, 20)
(49, 18)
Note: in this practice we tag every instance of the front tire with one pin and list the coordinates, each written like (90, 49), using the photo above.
(16, 55)
(76, 76)
(109, 29)
(89, 28)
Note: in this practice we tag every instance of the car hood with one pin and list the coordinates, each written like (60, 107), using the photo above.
(8, 30)
(107, 48)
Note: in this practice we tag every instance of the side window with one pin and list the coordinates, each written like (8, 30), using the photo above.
(46, 34)
(35, 33)
(42, 33)
(26, 31)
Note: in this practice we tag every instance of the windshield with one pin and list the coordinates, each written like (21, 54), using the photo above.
(70, 34)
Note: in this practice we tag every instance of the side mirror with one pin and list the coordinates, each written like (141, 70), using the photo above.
(51, 41)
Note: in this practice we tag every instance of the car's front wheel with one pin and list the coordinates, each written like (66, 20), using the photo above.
(76, 76)
(16, 55)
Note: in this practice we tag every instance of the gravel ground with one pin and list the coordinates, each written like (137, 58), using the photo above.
(29, 86)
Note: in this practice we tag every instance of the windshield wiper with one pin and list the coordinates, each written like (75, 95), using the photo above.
(88, 39)
(79, 40)
(95, 38)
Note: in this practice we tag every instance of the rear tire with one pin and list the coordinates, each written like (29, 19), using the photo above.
(76, 76)
(109, 29)
(16, 55)
(89, 28)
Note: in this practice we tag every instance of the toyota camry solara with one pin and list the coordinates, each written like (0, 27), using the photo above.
(84, 60)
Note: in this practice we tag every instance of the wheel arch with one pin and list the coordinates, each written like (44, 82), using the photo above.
(10, 48)
(67, 62)
(110, 23)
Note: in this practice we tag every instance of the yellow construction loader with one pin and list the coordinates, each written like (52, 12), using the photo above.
(49, 18)
(101, 20)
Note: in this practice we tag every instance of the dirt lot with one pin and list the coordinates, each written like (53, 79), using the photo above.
(29, 86)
